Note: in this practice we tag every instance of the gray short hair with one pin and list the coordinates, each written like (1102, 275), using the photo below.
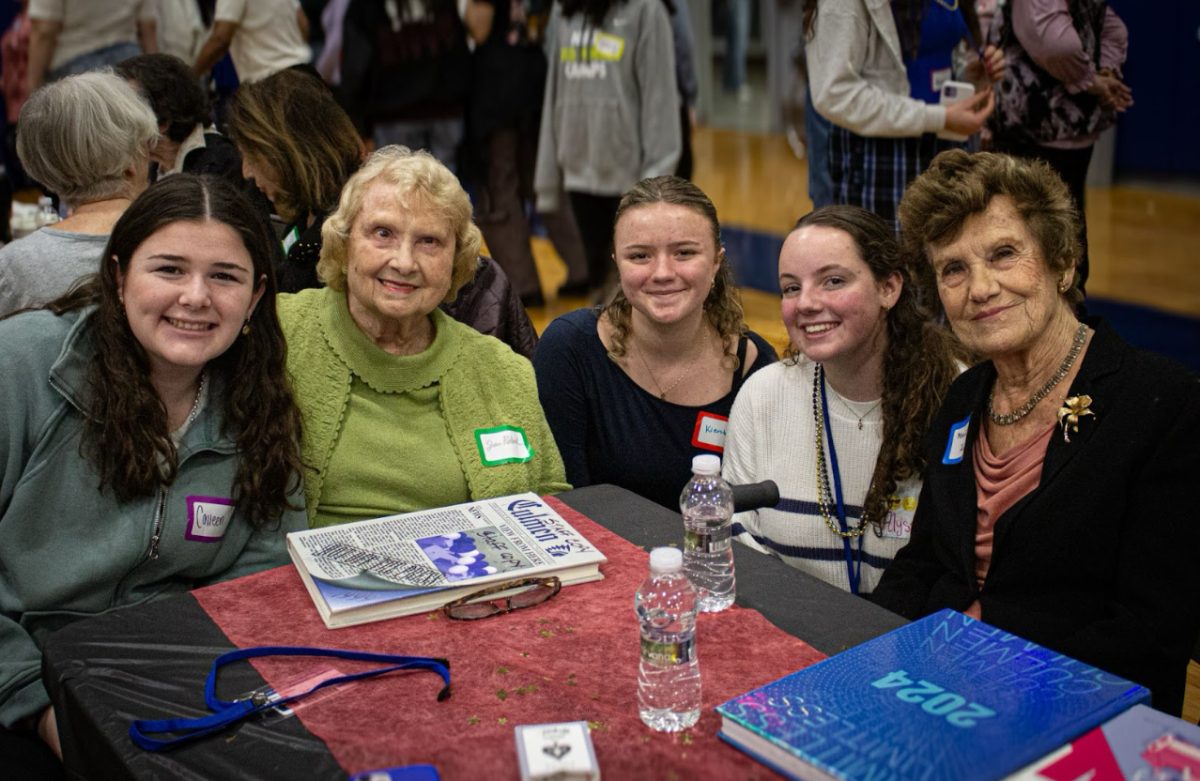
(79, 135)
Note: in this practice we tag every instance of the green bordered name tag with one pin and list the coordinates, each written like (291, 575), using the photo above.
(290, 240)
(503, 445)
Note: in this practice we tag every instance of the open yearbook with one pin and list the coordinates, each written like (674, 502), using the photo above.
(411, 563)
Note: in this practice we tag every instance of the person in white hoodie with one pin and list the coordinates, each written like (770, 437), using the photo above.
(610, 113)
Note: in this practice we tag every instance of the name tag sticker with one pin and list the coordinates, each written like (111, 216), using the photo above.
(503, 445)
(938, 77)
(290, 240)
(902, 506)
(709, 432)
(208, 518)
(957, 443)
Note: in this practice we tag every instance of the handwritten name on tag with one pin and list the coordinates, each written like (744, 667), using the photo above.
(503, 445)
(710, 431)
(902, 506)
(208, 518)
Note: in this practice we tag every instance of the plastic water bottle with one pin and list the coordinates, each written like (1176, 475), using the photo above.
(46, 214)
(707, 507)
(669, 673)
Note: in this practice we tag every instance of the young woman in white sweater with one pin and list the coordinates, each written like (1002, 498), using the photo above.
(839, 423)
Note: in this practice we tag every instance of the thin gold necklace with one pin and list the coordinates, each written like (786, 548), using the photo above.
(662, 392)
(850, 409)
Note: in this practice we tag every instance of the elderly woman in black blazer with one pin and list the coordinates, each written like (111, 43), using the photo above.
(1059, 501)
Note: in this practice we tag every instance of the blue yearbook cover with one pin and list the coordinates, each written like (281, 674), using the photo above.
(945, 697)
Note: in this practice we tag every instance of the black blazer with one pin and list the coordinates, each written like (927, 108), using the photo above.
(1102, 560)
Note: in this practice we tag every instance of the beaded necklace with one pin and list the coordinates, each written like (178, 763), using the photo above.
(1042, 392)
(825, 498)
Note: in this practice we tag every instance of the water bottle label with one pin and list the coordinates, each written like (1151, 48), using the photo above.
(665, 654)
(711, 540)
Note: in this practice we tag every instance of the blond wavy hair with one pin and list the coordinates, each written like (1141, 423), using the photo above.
(422, 183)
(722, 306)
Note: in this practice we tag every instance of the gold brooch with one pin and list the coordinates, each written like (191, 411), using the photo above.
(1072, 410)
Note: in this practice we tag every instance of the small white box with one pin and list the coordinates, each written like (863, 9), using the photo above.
(556, 752)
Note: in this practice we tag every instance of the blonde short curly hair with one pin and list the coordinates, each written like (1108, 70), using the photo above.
(421, 181)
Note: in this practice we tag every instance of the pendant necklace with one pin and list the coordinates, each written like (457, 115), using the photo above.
(846, 405)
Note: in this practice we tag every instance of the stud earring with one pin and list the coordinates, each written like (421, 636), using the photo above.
(246, 328)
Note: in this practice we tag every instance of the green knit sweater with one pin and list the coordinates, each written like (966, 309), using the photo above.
(481, 385)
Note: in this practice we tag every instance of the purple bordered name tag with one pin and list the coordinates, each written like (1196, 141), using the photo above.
(208, 518)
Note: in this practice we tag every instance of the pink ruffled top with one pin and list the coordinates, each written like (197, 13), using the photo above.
(1000, 482)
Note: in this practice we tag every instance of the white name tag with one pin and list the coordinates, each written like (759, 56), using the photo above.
(208, 518)
(938, 77)
(503, 445)
(290, 240)
(710, 431)
(956, 444)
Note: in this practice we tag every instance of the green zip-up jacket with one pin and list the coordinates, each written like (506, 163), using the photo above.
(69, 551)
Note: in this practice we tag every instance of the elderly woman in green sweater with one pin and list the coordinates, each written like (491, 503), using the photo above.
(405, 408)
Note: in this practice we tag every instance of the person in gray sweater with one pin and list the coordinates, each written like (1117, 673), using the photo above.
(610, 112)
(87, 138)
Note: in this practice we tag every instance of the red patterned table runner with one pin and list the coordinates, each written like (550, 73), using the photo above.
(571, 659)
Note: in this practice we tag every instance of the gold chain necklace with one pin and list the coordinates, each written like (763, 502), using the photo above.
(850, 409)
(824, 495)
(662, 392)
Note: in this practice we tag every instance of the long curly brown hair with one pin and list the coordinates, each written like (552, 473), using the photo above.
(722, 306)
(922, 357)
(125, 431)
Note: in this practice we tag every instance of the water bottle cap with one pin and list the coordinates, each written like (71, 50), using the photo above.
(663, 560)
(707, 464)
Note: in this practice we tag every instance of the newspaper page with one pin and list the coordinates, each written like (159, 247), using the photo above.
(444, 547)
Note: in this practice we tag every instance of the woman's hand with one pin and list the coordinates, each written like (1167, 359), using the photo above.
(988, 69)
(47, 730)
(966, 116)
(1111, 91)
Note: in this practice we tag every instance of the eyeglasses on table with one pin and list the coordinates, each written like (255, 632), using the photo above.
(526, 592)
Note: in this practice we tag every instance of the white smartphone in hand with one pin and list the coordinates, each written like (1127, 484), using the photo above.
(950, 92)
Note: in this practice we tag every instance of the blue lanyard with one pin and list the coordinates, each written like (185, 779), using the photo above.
(227, 712)
(853, 563)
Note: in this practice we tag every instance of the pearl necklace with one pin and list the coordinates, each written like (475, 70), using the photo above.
(1042, 392)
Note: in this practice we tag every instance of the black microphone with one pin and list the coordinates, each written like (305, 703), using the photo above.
(753, 496)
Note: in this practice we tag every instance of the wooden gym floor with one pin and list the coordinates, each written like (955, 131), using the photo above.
(1143, 244)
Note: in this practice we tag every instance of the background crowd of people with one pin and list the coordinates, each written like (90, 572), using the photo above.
(270, 292)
